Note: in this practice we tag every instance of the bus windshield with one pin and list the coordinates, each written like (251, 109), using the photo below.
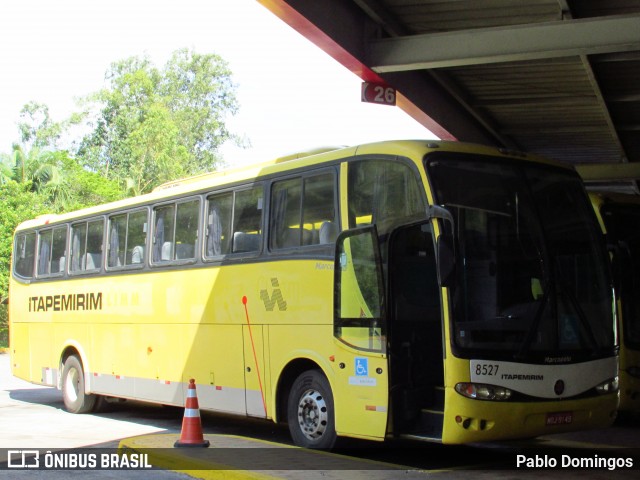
(531, 280)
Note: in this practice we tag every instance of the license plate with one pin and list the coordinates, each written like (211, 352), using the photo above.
(559, 418)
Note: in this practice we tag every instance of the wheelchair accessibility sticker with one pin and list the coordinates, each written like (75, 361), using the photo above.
(362, 367)
(361, 370)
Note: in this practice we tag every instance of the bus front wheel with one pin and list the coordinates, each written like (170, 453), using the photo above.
(73, 394)
(310, 411)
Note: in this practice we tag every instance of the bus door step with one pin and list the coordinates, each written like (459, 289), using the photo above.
(420, 437)
(438, 398)
(429, 423)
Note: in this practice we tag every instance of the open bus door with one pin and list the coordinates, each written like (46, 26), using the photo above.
(362, 385)
(418, 267)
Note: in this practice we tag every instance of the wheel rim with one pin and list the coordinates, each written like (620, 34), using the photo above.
(72, 384)
(313, 414)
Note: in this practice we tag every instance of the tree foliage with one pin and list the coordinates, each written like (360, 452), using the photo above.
(61, 183)
(17, 203)
(155, 125)
(53, 182)
(148, 126)
(6, 168)
(88, 188)
(42, 182)
(37, 129)
(41, 170)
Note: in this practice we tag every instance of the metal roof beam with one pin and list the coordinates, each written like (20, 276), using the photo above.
(598, 92)
(506, 44)
(393, 28)
(609, 171)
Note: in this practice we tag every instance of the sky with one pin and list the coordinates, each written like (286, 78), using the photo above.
(293, 96)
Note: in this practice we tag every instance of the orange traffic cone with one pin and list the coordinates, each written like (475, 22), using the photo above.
(191, 435)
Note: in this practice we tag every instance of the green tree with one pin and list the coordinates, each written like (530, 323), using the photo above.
(87, 188)
(154, 125)
(37, 129)
(18, 160)
(200, 93)
(43, 172)
(6, 168)
(60, 181)
(17, 203)
(47, 182)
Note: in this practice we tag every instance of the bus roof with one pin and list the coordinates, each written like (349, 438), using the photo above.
(410, 148)
(221, 173)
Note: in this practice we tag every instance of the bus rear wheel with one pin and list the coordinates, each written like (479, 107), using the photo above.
(73, 394)
(310, 411)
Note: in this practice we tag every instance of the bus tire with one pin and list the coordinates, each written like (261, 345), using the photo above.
(73, 394)
(310, 411)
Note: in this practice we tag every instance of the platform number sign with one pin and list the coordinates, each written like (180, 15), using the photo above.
(379, 93)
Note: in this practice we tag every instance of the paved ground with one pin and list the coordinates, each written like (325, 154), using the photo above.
(32, 417)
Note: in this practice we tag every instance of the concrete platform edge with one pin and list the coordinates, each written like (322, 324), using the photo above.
(174, 457)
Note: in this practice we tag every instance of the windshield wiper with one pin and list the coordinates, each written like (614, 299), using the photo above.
(579, 311)
(533, 329)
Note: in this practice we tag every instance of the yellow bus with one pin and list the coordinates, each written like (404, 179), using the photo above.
(620, 217)
(418, 289)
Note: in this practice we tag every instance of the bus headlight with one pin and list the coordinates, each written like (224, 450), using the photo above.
(481, 391)
(609, 386)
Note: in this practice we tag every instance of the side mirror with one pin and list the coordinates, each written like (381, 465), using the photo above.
(446, 252)
(446, 260)
(436, 211)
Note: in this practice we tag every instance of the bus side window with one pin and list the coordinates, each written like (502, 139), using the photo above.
(286, 199)
(86, 246)
(24, 254)
(127, 238)
(95, 236)
(303, 212)
(218, 229)
(163, 234)
(78, 250)
(187, 219)
(175, 231)
(136, 237)
(247, 220)
(319, 214)
(59, 250)
(383, 192)
(52, 246)
(117, 240)
(44, 252)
